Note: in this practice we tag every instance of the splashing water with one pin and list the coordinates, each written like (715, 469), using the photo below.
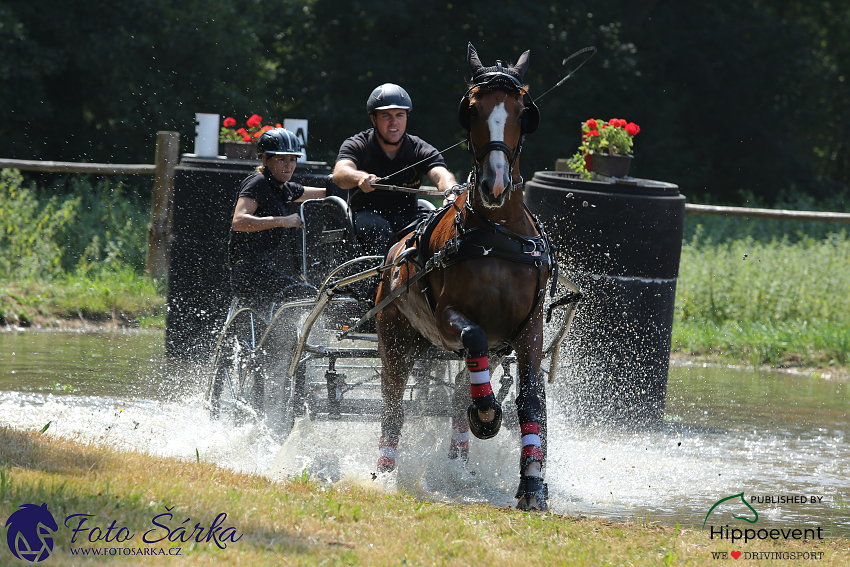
(725, 431)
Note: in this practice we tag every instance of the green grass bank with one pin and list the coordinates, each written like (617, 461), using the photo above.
(301, 522)
(750, 291)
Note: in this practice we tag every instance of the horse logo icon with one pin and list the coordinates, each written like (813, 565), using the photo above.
(744, 500)
(30, 532)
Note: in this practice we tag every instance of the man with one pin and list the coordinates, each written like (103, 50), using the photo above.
(382, 153)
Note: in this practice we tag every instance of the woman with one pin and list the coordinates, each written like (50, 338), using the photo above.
(262, 215)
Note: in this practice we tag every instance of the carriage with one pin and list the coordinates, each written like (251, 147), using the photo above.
(472, 278)
(274, 362)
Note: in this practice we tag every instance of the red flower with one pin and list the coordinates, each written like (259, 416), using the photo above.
(632, 128)
(266, 128)
(614, 122)
(592, 124)
(246, 138)
(242, 131)
(258, 134)
(254, 121)
(229, 122)
(278, 126)
(593, 133)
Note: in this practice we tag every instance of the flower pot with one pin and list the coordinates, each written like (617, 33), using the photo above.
(611, 165)
(240, 150)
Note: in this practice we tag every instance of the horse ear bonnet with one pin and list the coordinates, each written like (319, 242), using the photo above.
(498, 77)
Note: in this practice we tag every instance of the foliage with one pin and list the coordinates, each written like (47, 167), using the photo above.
(773, 301)
(616, 137)
(94, 226)
(107, 77)
(722, 230)
(30, 241)
(80, 253)
(253, 129)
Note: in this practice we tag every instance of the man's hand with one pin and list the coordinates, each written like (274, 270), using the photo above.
(365, 184)
(347, 176)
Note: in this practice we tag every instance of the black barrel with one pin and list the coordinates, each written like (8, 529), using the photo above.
(198, 280)
(620, 242)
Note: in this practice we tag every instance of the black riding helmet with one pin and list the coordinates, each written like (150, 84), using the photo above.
(388, 96)
(279, 142)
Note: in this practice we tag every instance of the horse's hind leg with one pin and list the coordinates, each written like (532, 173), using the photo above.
(399, 345)
(459, 446)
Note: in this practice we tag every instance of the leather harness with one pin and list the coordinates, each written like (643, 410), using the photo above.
(486, 240)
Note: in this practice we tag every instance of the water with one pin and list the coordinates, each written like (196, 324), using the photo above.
(726, 431)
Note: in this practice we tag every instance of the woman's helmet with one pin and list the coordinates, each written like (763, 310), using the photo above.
(388, 96)
(279, 142)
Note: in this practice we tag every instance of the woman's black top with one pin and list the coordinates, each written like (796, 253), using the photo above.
(272, 201)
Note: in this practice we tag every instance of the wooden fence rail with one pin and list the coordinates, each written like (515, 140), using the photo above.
(74, 167)
(778, 214)
(162, 194)
(167, 156)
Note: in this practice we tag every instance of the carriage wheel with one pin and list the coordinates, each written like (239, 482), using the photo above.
(237, 381)
(286, 395)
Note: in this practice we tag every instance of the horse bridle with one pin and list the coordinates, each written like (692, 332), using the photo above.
(486, 81)
(491, 146)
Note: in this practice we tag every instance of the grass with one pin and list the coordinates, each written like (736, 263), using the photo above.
(118, 295)
(779, 299)
(301, 522)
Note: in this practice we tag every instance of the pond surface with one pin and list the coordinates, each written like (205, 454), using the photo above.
(727, 431)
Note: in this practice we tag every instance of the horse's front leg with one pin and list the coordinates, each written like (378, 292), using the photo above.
(532, 494)
(485, 412)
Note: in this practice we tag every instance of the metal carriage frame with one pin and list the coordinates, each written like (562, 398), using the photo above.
(277, 361)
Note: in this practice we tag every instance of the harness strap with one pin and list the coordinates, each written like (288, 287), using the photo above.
(468, 245)
(386, 301)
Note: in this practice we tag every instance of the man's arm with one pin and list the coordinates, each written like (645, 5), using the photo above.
(442, 178)
(347, 176)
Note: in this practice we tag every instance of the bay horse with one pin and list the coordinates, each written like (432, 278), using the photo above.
(488, 263)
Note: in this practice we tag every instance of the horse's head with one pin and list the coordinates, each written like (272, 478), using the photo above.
(496, 117)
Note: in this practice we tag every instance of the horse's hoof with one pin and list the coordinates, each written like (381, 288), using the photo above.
(484, 429)
(533, 494)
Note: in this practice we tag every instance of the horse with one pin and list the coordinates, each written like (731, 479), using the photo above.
(487, 263)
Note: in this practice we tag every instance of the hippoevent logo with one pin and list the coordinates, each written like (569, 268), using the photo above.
(749, 515)
(30, 532)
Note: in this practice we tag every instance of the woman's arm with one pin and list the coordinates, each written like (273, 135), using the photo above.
(245, 221)
(312, 193)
